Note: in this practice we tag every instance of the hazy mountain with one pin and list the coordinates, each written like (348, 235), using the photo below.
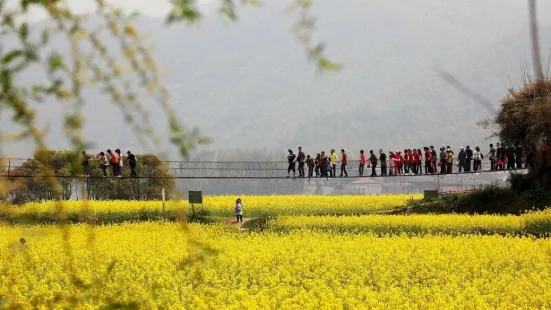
(249, 85)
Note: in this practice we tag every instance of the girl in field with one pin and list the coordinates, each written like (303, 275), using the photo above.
(239, 211)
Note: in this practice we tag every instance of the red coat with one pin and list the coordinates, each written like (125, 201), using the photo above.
(409, 158)
(428, 155)
(416, 157)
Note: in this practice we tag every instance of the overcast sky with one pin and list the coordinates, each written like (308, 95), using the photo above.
(146, 7)
(162, 7)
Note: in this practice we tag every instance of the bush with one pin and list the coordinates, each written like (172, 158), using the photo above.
(487, 200)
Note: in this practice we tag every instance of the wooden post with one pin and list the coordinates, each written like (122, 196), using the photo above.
(163, 194)
(9, 168)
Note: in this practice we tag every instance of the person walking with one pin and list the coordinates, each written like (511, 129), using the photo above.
(344, 162)
(333, 159)
(417, 161)
(114, 160)
(492, 156)
(393, 164)
(510, 151)
(323, 164)
(317, 162)
(310, 164)
(428, 160)
(85, 164)
(477, 159)
(519, 152)
(291, 161)
(382, 160)
(362, 163)
(301, 159)
(132, 163)
(104, 163)
(434, 159)
(462, 159)
(468, 159)
(373, 162)
(449, 162)
(239, 211)
(501, 151)
(443, 160)
(121, 160)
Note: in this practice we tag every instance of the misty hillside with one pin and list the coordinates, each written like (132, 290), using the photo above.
(248, 85)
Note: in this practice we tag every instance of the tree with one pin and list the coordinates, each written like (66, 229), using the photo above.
(30, 184)
(524, 116)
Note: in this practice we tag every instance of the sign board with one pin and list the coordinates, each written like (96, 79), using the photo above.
(431, 194)
(195, 197)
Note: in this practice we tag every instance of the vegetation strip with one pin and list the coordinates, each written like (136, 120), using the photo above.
(215, 206)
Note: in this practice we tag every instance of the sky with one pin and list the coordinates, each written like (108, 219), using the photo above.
(153, 8)
(386, 47)
(158, 8)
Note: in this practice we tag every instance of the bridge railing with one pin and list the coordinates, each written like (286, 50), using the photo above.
(234, 169)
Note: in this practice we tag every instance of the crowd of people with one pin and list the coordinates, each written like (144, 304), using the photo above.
(411, 161)
(111, 159)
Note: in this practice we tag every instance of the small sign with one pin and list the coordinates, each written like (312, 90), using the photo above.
(195, 197)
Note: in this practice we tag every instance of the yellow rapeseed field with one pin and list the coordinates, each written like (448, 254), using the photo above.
(147, 265)
(412, 224)
(223, 205)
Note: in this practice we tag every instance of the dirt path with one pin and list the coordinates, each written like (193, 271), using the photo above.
(232, 222)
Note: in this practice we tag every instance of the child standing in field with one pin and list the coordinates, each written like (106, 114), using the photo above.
(239, 211)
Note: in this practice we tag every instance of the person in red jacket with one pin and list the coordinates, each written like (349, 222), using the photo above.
(428, 161)
(362, 163)
(416, 161)
(344, 162)
(407, 161)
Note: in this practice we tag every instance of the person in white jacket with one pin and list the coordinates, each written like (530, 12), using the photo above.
(239, 211)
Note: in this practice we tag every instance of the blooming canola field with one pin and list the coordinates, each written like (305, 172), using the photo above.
(279, 205)
(152, 265)
(314, 252)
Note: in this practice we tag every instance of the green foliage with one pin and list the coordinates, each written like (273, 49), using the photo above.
(486, 200)
(30, 185)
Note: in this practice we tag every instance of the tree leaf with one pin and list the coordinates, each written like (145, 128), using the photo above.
(11, 56)
(55, 62)
(24, 31)
(183, 10)
(45, 37)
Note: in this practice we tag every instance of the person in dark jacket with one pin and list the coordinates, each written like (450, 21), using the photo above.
(462, 159)
(310, 164)
(373, 161)
(382, 160)
(301, 159)
(518, 155)
(291, 160)
(510, 151)
(434, 159)
(323, 164)
(132, 163)
(468, 159)
(492, 156)
(443, 160)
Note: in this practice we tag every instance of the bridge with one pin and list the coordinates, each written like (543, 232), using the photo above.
(228, 170)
